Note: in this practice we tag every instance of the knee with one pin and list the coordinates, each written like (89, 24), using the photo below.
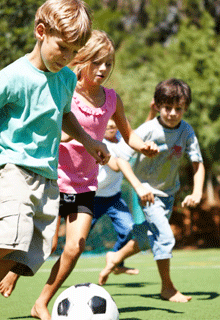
(167, 245)
(169, 240)
(75, 249)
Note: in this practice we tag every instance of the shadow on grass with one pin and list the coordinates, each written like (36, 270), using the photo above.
(132, 319)
(24, 317)
(131, 284)
(136, 309)
(210, 295)
(126, 285)
(122, 310)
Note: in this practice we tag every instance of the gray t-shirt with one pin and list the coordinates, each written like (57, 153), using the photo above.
(162, 171)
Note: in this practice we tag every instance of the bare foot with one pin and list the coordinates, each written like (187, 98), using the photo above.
(131, 271)
(8, 283)
(40, 312)
(174, 296)
(110, 265)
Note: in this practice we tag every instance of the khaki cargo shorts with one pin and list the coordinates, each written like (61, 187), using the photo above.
(29, 206)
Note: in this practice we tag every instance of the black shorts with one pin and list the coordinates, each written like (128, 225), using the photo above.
(76, 203)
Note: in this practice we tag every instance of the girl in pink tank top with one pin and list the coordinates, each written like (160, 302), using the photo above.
(74, 176)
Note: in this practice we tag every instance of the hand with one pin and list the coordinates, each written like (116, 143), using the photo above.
(99, 151)
(150, 149)
(65, 137)
(145, 195)
(191, 200)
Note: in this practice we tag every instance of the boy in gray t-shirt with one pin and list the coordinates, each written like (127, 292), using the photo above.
(174, 138)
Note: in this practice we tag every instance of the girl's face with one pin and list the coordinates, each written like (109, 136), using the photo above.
(171, 115)
(98, 70)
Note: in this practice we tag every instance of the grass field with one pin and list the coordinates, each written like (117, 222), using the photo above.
(195, 273)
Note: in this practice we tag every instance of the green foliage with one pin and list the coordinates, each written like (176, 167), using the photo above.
(192, 55)
(109, 21)
(157, 10)
(16, 28)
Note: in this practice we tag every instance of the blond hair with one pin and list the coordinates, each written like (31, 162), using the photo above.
(98, 46)
(71, 19)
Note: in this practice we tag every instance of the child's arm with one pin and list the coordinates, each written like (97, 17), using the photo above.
(153, 111)
(144, 194)
(113, 164)
(74, 130)
(198, 183)
(148, 148)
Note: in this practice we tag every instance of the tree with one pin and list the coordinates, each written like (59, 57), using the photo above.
(192, 55)
(16, 28)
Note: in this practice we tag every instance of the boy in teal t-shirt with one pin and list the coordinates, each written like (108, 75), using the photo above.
(35, 98)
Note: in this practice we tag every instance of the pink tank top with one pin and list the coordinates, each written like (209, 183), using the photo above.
(77, 169)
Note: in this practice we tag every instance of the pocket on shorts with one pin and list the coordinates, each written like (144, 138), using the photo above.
(9, 208)
(16, 224)
(9, 221)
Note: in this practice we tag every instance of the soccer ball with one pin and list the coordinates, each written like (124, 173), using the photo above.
(86, 301)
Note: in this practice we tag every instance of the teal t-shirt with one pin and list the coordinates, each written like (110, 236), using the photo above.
(32, 103)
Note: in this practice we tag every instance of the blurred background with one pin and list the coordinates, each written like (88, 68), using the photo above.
(154, 40)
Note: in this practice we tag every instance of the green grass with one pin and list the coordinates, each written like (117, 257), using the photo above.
(195, 273)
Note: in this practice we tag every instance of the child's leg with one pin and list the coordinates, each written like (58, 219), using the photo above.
(8, 283)
(100, 208)
(77, 229)
(168, 291)
(55, 237)
(162, 242)
(127, 270)
(115, 258)
(122, 222)
(5, 267)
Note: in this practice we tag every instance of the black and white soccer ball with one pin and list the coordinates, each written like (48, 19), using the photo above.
(86, 301)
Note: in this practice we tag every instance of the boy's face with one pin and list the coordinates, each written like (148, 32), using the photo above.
(171, 115)
(111, 130)
(54, 52)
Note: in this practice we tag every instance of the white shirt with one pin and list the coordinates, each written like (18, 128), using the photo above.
(109, 181)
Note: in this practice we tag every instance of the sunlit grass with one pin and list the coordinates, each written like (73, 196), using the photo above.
(195, 273)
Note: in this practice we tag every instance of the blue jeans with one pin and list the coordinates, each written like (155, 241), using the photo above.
(116, 208)
(156, 228)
